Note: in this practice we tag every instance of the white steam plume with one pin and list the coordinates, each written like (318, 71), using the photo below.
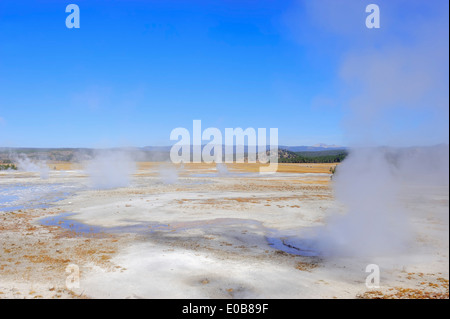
(222, 169)
(397, 95)
(27, 165)
(110, 169)
(168, 174)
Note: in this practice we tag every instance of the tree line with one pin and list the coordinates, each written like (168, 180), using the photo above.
(297, 158)
(4, 167)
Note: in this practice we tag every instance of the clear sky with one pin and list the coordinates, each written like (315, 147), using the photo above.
(135, 70)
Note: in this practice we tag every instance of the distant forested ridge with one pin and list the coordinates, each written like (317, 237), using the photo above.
(5, 167)
(329, 156)
(155, 154)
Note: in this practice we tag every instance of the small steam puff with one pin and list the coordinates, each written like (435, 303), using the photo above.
(222, 169)
(110, 169)
(168, 174)
(27, 165)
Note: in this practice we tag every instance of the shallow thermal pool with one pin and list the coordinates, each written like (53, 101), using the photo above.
(273, 238)
(24, 196)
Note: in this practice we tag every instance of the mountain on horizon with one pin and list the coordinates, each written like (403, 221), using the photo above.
(303, 148)
(327, 145)
(313, 148)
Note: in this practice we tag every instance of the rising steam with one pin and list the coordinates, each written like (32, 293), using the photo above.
(397, 96)
(25, 164)
(168, 174)
(222, 169)
(110, 169)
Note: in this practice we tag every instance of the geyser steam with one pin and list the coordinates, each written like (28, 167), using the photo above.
(374, 222)
(396, 88)
(168, 174)
(222, 169)
(26, 164)
(110, 169)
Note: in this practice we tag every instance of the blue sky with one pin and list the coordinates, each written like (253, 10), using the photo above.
(135, 70)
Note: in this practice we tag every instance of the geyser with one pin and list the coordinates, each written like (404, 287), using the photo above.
(110, 169)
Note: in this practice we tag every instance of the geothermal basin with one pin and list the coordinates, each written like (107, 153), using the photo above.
(196, 232)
